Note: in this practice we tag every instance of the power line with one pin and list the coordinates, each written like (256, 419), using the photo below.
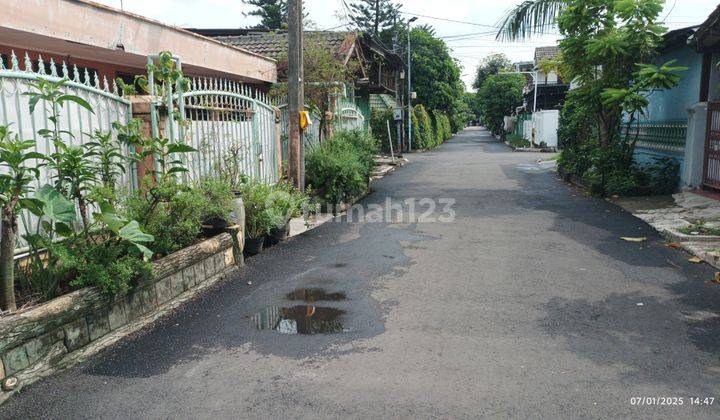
(450, 20)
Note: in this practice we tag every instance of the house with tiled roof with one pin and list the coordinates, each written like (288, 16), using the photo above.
(376, 81)
(551, 89)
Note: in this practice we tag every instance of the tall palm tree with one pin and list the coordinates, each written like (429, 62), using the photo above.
(531, 17)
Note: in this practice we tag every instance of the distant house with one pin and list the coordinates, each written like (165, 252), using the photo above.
(684, 122)
(111, 43)
(376, 82)
(551, 89)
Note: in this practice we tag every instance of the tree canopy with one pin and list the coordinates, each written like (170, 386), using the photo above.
(490, 65)
(272, 13)
(498, 96)
(374, 16)
(436, 75)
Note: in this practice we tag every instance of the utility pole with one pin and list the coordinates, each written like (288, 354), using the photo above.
(296, 163)
(409, 92)
(398, 87)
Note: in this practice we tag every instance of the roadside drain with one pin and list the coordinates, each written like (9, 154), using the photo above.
(315, 295)
(301, 319)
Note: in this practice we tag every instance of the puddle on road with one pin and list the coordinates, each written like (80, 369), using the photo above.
(315, 295)
(300, 319)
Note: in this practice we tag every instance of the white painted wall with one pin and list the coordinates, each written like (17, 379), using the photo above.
(546, 127)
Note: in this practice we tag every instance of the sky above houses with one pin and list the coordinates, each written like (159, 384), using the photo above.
(468, 26)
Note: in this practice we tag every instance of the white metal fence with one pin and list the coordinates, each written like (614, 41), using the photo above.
(228, 123)
(348, 116)
(76, 122)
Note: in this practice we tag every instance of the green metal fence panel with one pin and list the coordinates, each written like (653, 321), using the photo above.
(77, 122)
(348, 116)
(519, 122)
(669, 135)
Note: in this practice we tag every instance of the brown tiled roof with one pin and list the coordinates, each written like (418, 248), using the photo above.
(272, 44)
(546, 53)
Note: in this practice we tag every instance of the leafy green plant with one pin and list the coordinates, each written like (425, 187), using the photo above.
(499, 95)
(339, 169)
(517, 141)
(378, 125)
(427, 136)
(259, 219)
(170, 212)
(15, 184)
(218, 199)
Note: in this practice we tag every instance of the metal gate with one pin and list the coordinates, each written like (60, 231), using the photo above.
(231, 125)
(711, 167)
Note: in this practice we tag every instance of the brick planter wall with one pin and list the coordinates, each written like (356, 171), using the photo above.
(58, 333)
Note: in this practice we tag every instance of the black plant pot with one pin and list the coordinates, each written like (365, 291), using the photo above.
(277, 235)
(254, 246)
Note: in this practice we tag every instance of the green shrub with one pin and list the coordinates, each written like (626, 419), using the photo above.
(259, 219)
(340, 168)
(169, 211)
(378, 125)
(517, 141)
(427, 138)
(219, 198)
(110, 269)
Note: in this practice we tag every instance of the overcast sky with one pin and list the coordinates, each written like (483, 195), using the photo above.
(479, 16)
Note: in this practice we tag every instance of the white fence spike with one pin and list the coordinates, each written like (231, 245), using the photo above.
(41, 65)
(76, 74)
(53, 68)
(14, 65)
(28, 63)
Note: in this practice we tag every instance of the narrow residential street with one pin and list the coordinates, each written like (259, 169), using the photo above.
(527, 305)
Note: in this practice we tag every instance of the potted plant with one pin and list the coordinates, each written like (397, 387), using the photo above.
(257, 219)
(218, 205)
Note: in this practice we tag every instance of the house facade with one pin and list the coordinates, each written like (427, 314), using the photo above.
(551, 89)
(377, 81)
(111, 43)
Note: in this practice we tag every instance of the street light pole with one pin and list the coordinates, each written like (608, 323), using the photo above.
(409, 93)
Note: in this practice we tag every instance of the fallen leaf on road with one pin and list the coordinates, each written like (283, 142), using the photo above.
(630, 239)
(696, 260)
(717, 278)
(673, 245)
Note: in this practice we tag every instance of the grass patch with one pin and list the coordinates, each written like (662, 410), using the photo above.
(516, 141)
(700, 227)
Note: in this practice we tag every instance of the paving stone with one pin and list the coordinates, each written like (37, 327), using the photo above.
(133, 305)
(164, 290)
(98, 324)
(209, 267)
(188, 278)
(177, 283)
(199, 269)
(76, 334)
(15, 360)
(37, 348)
(149, 299)
(116, 315)
(219, 262)
(229, 255)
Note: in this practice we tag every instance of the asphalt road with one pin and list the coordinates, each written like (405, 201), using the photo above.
(526, 305)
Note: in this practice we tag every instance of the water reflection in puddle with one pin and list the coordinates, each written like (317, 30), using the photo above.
(315, 295)
(299, 320)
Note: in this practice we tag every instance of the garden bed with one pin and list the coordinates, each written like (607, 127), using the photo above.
(58, 333)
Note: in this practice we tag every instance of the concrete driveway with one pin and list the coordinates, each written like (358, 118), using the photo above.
(527, 305)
